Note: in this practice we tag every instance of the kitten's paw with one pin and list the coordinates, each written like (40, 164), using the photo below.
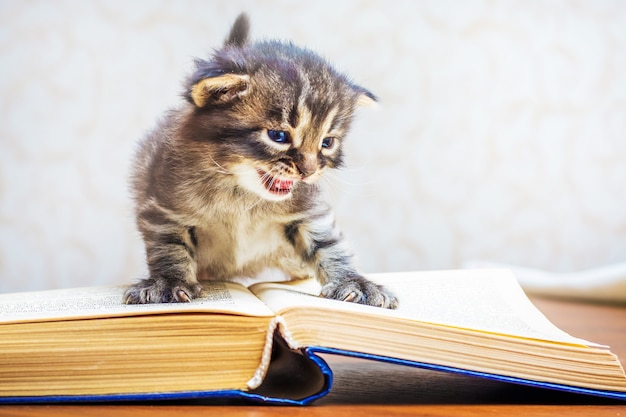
(161, 290)
(358, 289)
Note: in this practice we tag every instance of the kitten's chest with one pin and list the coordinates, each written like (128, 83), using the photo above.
(239, 244)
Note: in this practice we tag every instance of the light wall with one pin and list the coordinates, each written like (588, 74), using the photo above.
(500, 135)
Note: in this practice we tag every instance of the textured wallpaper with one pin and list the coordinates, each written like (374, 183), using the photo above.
(500, 134)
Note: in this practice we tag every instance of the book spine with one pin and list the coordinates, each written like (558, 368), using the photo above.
(266, 356)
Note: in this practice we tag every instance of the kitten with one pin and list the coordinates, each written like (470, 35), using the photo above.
(226, 185)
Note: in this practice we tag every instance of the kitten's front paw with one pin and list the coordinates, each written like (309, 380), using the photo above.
(358, 289)
(161, 290)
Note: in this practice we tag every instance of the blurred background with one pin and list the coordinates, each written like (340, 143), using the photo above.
(500, 134)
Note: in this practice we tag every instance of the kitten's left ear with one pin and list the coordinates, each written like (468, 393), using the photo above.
(219, 89)
(238, 35)
(365, 98)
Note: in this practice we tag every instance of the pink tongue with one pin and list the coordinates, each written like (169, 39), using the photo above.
(282, 184)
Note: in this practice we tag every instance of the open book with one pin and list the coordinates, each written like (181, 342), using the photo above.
(263, 342)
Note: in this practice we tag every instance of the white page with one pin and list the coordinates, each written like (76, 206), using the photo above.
(486, 300)
(105, 301)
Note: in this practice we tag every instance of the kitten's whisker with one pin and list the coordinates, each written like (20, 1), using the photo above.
(335, 184)
(258, 198)
(267, 177)
(221, 170)
(251, 206)
(352, 169)
(340, 186)
(338, 178)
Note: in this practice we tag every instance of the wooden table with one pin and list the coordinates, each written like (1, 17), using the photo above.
(364, 388)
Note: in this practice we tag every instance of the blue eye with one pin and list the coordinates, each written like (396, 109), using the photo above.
(328, 143)
(279, 136)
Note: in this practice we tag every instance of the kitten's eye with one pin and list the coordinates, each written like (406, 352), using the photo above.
(328, 143)
(279, 136)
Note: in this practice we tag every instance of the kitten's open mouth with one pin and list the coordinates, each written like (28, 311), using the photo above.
(275, 185)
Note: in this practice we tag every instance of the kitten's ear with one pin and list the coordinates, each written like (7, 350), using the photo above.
(219, 89)
(220, 80)
(238, 35)
(364, 98)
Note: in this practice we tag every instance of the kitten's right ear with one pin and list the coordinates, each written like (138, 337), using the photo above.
(238, 35)
(365, 98)
(219, 89)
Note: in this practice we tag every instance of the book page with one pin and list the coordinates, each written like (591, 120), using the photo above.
(484, 300)
(92, 302)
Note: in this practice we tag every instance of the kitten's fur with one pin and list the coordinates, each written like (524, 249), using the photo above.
(225, 186)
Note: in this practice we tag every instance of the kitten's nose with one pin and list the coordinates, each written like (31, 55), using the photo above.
(307, 165)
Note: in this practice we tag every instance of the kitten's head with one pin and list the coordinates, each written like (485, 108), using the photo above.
(272, 115)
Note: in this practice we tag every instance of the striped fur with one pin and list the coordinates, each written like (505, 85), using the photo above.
(227, 185)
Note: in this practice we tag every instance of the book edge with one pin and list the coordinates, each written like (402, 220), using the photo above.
(312, 353)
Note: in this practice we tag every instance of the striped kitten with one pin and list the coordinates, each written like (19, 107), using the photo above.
(226, 185)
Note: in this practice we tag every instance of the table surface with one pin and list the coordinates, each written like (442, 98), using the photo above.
(365, 388)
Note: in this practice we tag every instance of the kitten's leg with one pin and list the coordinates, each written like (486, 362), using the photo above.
(325, 247)
(170, 250)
